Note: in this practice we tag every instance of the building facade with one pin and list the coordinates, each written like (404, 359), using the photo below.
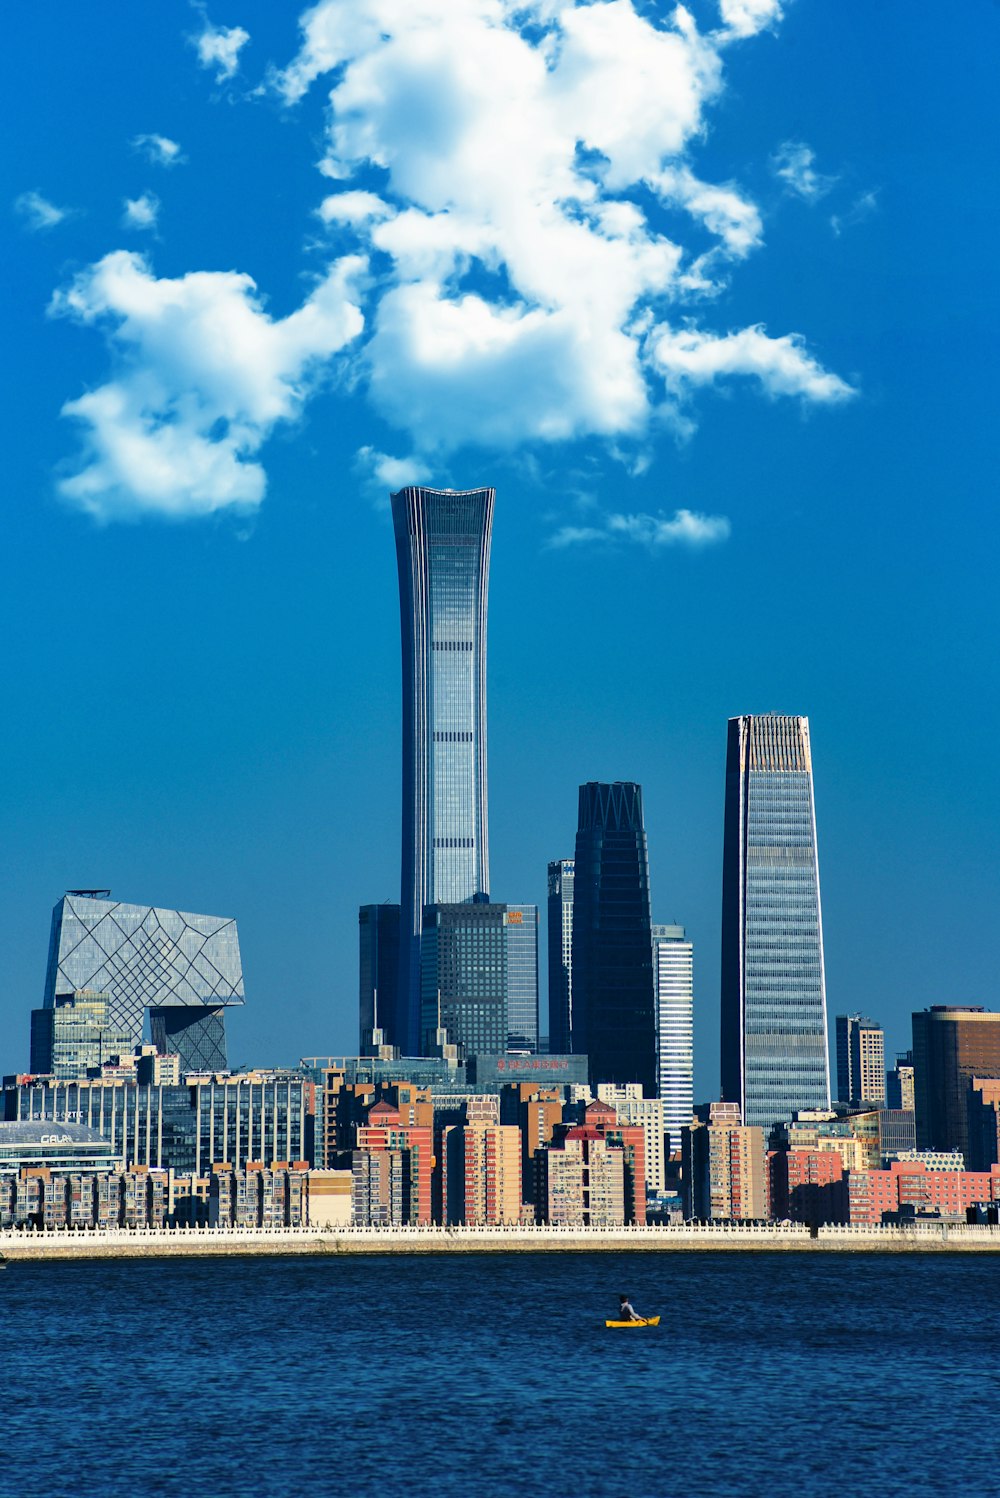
(464, 968)
(580, 1181)
(673, 975)
(613, 1002)
(775, 1057)
(560, 949)
(76, 1036)
(209, 1119)
(899, 1083)
(481, 1165)
(378, 975)
(951, 1045)
(184, 969)
(860, 1059)
(443, 557)
(522, 978)
(983, 1107)
(723, 1166)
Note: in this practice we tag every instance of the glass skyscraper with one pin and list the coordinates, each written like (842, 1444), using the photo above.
(443, 556)
(560, 947)
(613, 1003)
(673, 974)
(185, 969)
(464, 978)
(378, 970)
(522, 978)
(775, 1058)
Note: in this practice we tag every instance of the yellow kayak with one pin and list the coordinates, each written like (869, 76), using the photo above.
(644, 1321)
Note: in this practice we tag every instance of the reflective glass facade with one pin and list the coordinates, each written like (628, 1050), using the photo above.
(443, 554)
(775, 1058)
(464, 971)
(522, 978)
(613, 1003)
(560, 945)
(673, 973)
(143, 958)
(378, 969)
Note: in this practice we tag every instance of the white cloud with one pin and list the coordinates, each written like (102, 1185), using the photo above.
(744, 18)
(792, 164)
(201, 376)
(141, 212)
(384, 475)
(688, 358)
(219, 47)
(863, 207)
(528, 155)
(38, 213)
(159, 149)
(354, 208)
(519, 174)
(685, 528)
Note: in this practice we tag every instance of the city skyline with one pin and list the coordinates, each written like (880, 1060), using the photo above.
(205, 709)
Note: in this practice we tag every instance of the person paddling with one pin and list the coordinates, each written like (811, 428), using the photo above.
(626, 1311)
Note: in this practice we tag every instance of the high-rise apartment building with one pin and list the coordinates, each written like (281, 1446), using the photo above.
(723, 1166)
(950, 1046)
(443, 555)
(378, 969)
(580, 1180)
(522, 978)
(184, 969)
(983, 1105)
(860, 1060)
(775, 1059)
(560, 938)
(673, 978)
(481, 1165)
(613, 1003)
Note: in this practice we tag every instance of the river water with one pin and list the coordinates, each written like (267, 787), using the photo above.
(452, 1375)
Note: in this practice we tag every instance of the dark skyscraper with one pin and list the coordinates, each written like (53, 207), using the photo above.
(613, 1006)
(378, 968)
(774, 1044)
(951, 1045)
(443, 555)
(560, 934)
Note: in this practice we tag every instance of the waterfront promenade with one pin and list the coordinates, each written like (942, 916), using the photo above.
(132, 1243)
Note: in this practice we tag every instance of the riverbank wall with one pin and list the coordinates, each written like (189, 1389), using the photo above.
(142, 1243)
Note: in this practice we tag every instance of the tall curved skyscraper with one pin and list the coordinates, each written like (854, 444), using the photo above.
(443, 554)
(775, 1058)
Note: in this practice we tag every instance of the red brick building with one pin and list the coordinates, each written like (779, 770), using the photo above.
(909, 1184)
(385, 1130)
(808, 1186)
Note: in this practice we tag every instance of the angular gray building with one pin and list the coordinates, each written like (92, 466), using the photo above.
(443, 558)
(775, 1057)
(184, 969)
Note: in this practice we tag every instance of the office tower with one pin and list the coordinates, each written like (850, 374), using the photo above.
(774, 1046)
(560, 936)
(899, 1083)
(443, 556)
(75, 1036)
(951, 1044)
(673, 978)
(464, 979)
(522, 978)
(613, 1006)
(185, 969)
(723, 1166)
(236, 1119)
(983, 1106)
(860, 1060)
(378, 968)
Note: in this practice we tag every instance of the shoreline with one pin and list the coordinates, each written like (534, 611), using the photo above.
(143, 1243)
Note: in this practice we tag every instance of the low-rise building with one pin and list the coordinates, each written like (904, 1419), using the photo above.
(808, 1186)
(907, 1186)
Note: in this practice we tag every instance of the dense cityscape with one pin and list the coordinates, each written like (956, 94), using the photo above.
(460, 1107)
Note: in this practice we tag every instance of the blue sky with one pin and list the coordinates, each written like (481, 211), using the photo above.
(709, 296)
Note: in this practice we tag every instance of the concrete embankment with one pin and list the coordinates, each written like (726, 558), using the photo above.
(142, 1243)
